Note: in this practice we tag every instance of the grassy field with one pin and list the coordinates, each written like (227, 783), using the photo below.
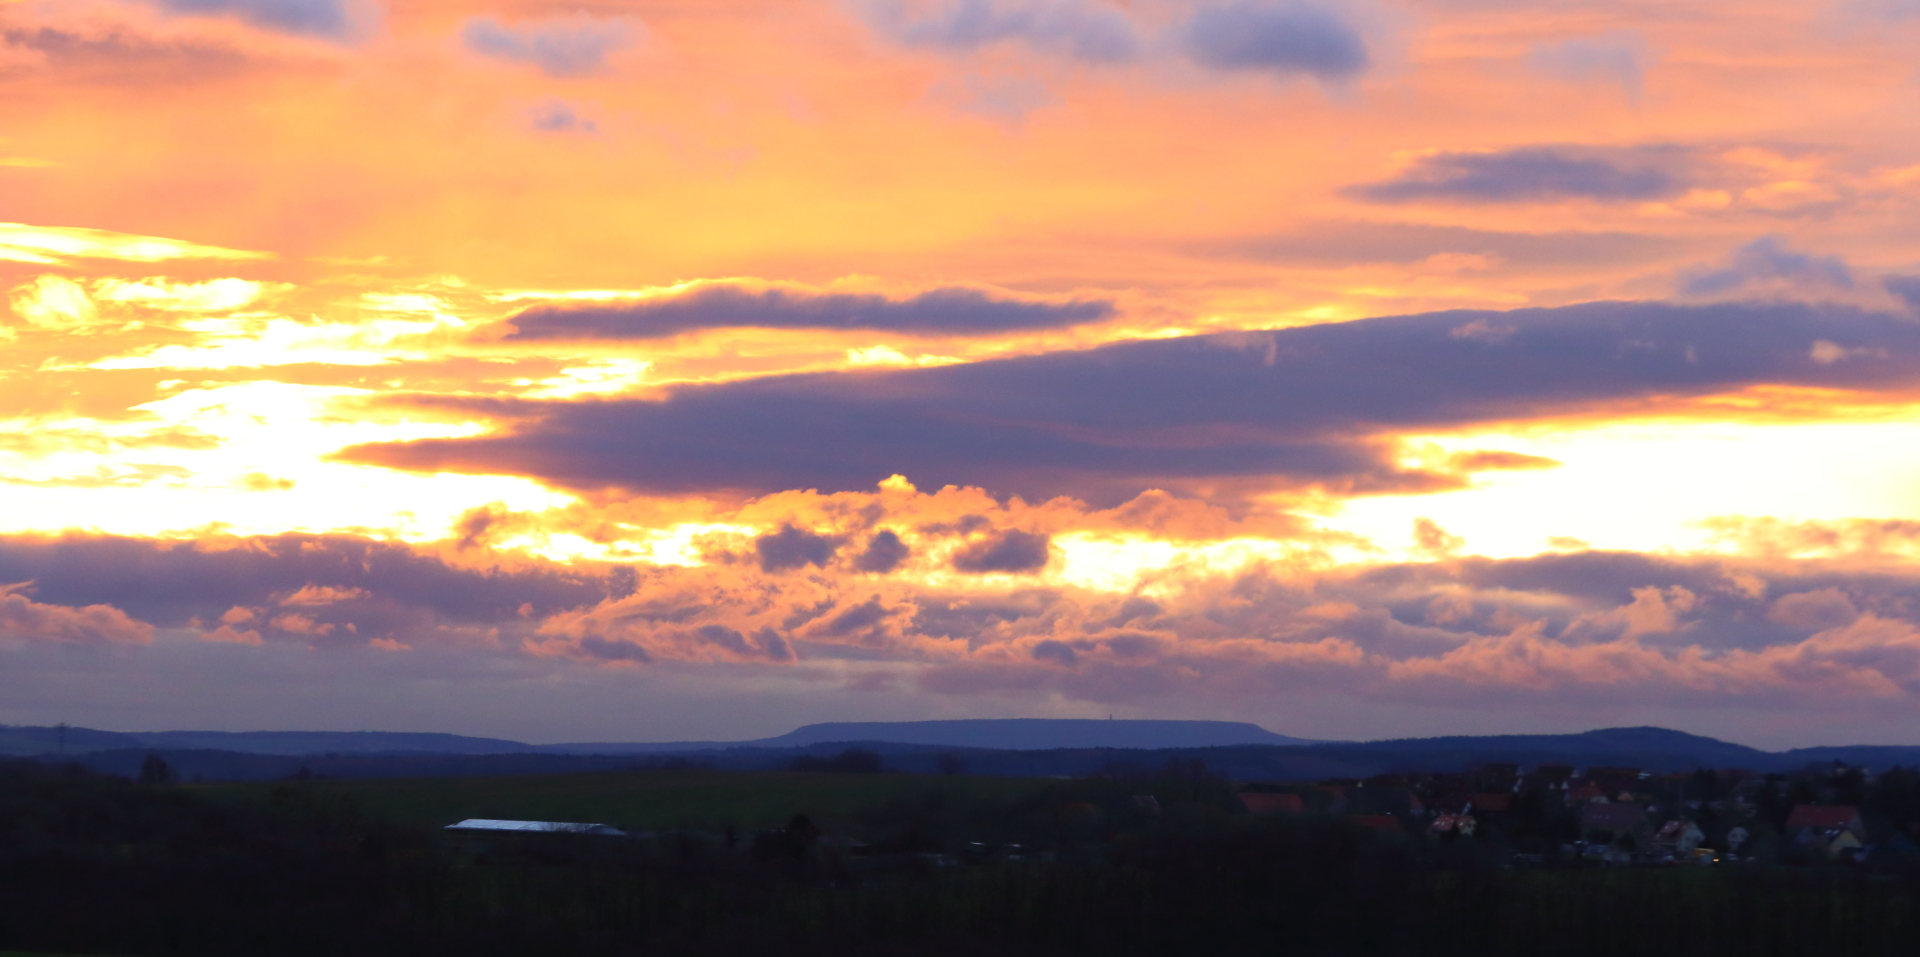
(645, 800)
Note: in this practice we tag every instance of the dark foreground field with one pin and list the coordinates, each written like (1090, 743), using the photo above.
(802, 864)
(702, 800)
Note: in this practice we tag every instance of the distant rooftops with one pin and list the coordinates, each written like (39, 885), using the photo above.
(535, 827)
(1823, 818)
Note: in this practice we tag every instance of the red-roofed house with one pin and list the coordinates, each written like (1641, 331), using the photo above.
(1379, 822)
(1588, 793)
(1679, 837)
(1610, 821)
(1336, 797)
(1835, 829)
(1259, 803)
(1553, 776)
(1825, 818)
(1492, 802)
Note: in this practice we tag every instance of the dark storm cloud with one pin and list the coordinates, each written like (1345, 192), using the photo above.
(1011, 551)
(379, 586)
(1282, 38)
(1531, 174)
(1310, 405)
(951, 311)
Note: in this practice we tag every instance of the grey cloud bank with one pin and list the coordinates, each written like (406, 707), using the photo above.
(1768, 260)
(947, 311)
(382, 588)
(1081, 29)
(1282, 38)
(1906, 287)
(560, 47)
(326, 18)
(1279, 38)
(1529, 174)
(1561, 636)
(1298, 406)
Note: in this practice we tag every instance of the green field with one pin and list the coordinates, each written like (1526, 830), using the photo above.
(644, 800)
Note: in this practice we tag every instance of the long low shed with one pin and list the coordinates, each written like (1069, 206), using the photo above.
(535, 827)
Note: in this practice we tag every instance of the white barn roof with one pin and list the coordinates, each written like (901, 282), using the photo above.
(535, 827)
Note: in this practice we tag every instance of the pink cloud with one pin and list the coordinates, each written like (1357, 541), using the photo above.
(1826, 608)
(318, 595)
(23, 619)
(229, 635)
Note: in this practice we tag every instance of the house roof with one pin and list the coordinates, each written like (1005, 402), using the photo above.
(1633, 773)
(1587, 792)
(1379, 822)
(1492, 801)
(1822, 817)
(1270, 803)
(1612, 816)
(1382, 800)
(1676, 828)
(535, 827)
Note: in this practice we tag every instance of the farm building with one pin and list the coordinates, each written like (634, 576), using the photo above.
(485, 825)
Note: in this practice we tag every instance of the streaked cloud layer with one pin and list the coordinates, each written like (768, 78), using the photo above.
(679, 369)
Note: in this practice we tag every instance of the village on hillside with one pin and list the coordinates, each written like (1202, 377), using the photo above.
(1625, 816)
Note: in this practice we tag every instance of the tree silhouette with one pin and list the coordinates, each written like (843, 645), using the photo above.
(154, 770)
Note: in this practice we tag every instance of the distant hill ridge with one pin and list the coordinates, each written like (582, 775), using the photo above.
(1012, 746)
(1666, 741)
(1039, 734)
(43, 740)
(1010, 734)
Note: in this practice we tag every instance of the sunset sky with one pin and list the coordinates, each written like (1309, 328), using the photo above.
(695, 369)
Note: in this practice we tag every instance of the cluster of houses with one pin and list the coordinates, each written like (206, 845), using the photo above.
(1608, 815)
(1553, 812)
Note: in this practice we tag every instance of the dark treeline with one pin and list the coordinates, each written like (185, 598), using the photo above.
(205, 765)
(1160, 865)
